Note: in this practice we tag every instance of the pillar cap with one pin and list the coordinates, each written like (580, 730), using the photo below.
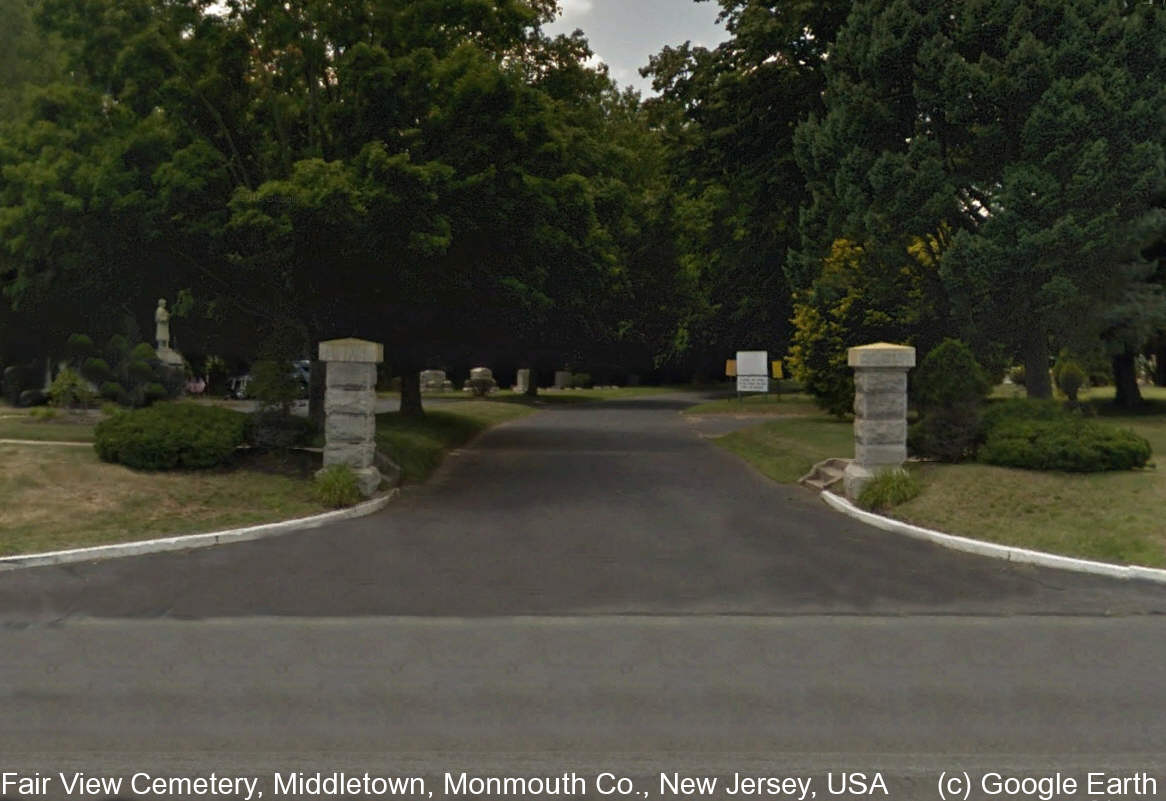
(352, 350)
(881, 354)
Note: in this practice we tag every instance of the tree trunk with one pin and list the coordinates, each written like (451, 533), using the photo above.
(532, 385)
(1160, 366)
(1125, 381)
(316, 384)
(411, 394)
(1036, 365)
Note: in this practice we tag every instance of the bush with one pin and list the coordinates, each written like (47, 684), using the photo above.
(1070, 378)
(946, 434)
(113, 391)
(80, 347)
(271, 429)
(97, 370)
(887, 489)
(1070, 443)
(580, 380)
(43, 413)
(950, 375)
(170, 435)
(69, 390)
(336, 486)
(273, 384)
(1019, 410)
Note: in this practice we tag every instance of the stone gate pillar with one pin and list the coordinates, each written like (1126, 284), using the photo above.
(880, 411)
(350, 407)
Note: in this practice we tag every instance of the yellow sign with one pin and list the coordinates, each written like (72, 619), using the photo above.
(777, 369)
(731, 368)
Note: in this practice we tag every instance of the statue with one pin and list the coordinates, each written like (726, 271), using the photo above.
(166, 354)
(162, 332)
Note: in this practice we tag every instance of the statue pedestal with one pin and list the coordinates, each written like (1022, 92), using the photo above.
(170, 357)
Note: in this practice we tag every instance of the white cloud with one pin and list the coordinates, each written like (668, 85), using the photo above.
(575, 9)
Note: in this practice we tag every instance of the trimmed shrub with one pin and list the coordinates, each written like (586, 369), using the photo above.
(170, 435)
(887, 489)
(1071, 444)
(336, 486)
(111, 390)
(271, 429)
(949, 375)
(69, 390)
(1019, 410)
(80, 347)
(143, 352)
(946, 434)
(97, 370)
(1070, 378)
(949, 390)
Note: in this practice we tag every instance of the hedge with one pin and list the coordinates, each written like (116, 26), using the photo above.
(170, 435)
(1069, 444)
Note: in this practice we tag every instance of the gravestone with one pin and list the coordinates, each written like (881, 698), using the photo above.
(435, 381)
(481, 381)
(562, 379)
(522, 381)
(880, 411)
(350, 407)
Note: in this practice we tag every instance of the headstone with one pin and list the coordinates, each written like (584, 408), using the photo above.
(350, 407)
(435, 381)
(880, 411)
(522, 381)
(562, 379)
(481, 381)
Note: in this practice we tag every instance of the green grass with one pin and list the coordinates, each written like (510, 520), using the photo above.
(787, 404)
(1112, 517)
(59, 497)
(418, 445)
(785, 450)
(63, 428)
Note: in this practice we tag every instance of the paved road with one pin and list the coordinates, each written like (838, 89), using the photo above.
(613, 508)
(526, 697)
(589, 589)
(618, 507)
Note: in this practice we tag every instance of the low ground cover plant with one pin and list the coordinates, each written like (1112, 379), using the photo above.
(336, 486)
(887, 489)
(170, 435)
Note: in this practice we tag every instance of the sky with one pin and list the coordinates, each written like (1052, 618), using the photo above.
(624, 33)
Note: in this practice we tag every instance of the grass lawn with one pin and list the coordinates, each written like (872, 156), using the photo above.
(418, 445)
(63, 497)
(792, 403)
(785, 450)
(65, 427)
(58, 497)
(1112, 517)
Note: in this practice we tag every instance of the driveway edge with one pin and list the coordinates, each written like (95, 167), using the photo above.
(187, 541)
(1008, 553)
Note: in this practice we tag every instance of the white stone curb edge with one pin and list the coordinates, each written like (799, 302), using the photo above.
(991, 549)
(186, 541)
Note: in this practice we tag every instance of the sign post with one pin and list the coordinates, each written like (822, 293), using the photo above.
(752, 371)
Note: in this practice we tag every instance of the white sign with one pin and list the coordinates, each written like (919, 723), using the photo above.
(752, 371)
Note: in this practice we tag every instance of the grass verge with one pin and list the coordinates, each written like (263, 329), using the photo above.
(1111, 517)
(59, 497)
(63, 428)
(794, 403)
(418, 445)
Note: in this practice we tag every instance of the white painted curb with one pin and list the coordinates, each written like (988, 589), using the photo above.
(1006, 552)
(186, 541)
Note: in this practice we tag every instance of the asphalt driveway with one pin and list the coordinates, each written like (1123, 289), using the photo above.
(610, 508)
